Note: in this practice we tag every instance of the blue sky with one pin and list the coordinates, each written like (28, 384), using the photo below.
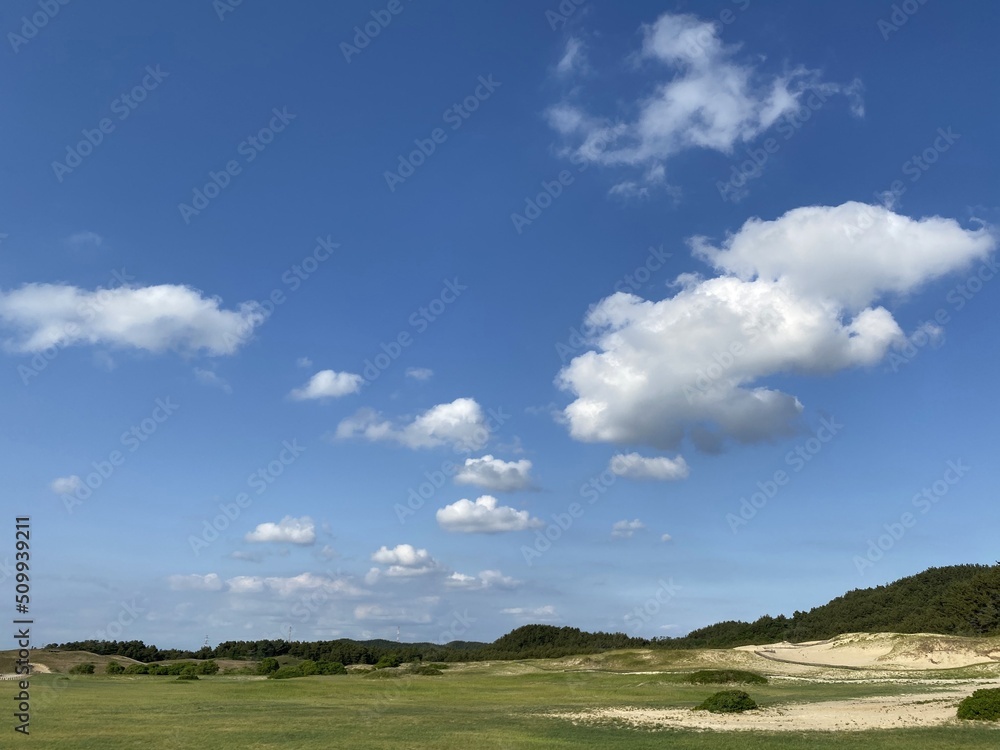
(502, 314)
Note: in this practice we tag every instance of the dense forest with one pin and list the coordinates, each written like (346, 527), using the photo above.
(955, 600)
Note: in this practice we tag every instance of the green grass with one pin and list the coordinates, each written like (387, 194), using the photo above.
(480, 707)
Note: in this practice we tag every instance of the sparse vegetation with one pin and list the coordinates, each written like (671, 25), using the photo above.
(87, 668)
(727, 702)
(982, 705)
(726, 677)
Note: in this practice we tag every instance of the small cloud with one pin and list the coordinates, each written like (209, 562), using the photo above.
(404, 560)
(660, 468)
(666, 538)
(247, 556)
(288, 529)
(461, 424)
(304, 362)
(207, 377)
(487, 579)
(419, 373)
(328, 384)
(625, 529)
(484, 516)
(85, 239)
(66, 485)
(494, 474)
(328, 552)
(195, 582)
(573, 59)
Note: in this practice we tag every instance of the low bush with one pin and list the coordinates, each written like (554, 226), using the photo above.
(982, 705)
(726, 677)
(114, 668)
(187, 676)
(426, 670)
(284, 673)
(82, 669)
(383, 674)
(727, 702)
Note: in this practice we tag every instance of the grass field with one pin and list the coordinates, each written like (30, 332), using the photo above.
(501, 705)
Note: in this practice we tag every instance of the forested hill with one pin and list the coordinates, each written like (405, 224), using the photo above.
(955, 600)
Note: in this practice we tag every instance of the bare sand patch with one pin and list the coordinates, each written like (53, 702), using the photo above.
(859, 714)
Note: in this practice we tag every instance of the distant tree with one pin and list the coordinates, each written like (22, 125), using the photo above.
(208, 667)
(114, 668)
(268, 665)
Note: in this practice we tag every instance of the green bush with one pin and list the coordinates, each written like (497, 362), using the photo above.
(267, 666)
(114, 668)
(82, 669)
(284, 673)
(982, 705)
(137, 669)
(383, 674)
(426, 670)
(726, 677)
(208, 667)
(387, 661)
(330, 667)
(187, 676)
(438, 665)
(727, 702)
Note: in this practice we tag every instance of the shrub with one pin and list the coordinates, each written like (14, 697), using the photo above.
(383, 674)
(137, 669)
(114, 668)
(187, 676)
(208, 667)
(438, 665)
(284, 673)
(426, 670)
(727, 702)
(308, 667)
(982, 705)
(267, 666)
(330, 667)
(726, 677)
(82, 669)
(389, 660)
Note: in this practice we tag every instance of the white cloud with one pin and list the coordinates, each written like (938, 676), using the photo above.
(288, 586)
(487, 579)
(460, 424)
(494, 474)
(288, 529)
(573, 59)
(484, 516)
(626, 529)
(195, 582)
(666, 538)
(153, 318)
(419, 373)
(328, 384)
(207, 377)
(797, 296)
(548, 612)
(708, 100)
(660, 468)
(85, 239)
(404, 560)
(304, 362)
(66, 485)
